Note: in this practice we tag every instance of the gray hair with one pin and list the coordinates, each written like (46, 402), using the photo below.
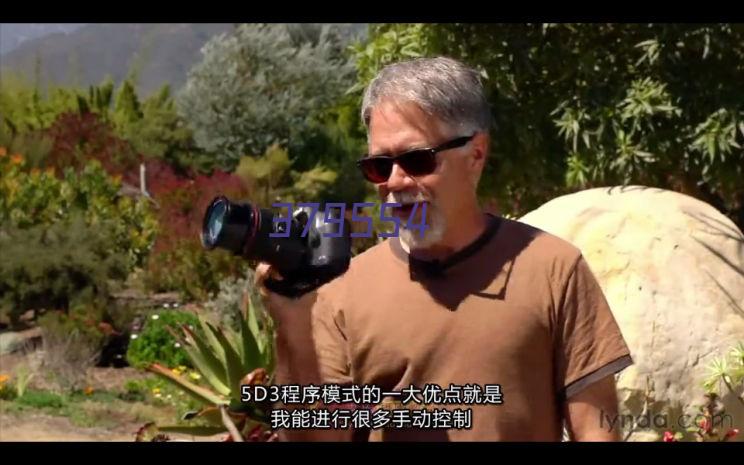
(442, 87)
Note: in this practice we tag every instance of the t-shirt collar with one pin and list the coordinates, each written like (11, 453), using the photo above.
(438, 268)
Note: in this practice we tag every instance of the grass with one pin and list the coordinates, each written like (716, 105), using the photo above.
(41, 400)
(128, 403)
(104, 409)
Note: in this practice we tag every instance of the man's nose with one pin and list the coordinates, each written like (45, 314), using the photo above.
(399, 180)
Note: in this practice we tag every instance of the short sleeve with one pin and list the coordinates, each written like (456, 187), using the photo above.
(588, 342)
(331, 343)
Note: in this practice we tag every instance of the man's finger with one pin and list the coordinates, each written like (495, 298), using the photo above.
(263, 271)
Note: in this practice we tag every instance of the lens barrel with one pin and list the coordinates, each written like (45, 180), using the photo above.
(228, 225)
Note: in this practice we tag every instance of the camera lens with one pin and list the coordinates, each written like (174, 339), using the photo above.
(215, 219)
(228, 225)
(246, 230)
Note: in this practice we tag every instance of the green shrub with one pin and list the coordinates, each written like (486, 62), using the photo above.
(225, 307)
(7, 391)
(155, 344)
(51, 267)
(265, 98)
(134, 391)
(42, 399)
(72, 344)
(190, 270)
(159, 392)
(100, 396)
(62, 238)
(32, 198)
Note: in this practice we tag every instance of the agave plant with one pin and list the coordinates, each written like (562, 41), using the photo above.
(728, 371)
(226, 360)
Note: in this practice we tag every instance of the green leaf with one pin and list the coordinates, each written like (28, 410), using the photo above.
(251, 353)
(194, 430)
(252, 320)
(216, 346)
(711, 148)
(585, 137)
(210, 414)
(738, 352)
(261, 337)
(234, 368)
(197, 392)
(201, 364)
(212, 370)
(212, 364)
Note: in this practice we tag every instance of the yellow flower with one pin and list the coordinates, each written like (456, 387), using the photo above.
(156, 390)
(88, 391)
(194, 375)
(3, 378)
(178, 370)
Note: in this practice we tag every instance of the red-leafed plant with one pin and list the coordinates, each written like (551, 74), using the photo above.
(77, 138)
(178, 261)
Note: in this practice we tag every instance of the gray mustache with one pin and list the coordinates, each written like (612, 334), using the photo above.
(406, 198)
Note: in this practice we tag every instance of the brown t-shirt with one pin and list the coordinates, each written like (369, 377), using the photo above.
(523, 311)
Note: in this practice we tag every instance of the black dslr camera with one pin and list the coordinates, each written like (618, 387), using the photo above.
(305, 261)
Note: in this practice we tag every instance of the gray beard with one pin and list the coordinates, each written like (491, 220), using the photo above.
(412, 240)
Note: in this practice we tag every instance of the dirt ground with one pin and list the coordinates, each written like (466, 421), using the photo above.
(99, 378)
(40, 426)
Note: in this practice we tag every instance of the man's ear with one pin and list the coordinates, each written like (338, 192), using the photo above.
(480, 148)
(479, 155)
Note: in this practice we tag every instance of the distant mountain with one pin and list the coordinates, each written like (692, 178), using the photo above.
(158, 53)
(14, 34)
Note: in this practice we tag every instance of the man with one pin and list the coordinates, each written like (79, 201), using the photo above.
(477, 300)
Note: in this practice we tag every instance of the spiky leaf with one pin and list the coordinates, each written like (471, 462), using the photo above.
(214, 362)
(251, 351)
(213, 342)
(197, 392)
(194, 430)
(200, 363)
(234, 366)
(210, 414)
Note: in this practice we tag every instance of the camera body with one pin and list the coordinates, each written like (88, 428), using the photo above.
(307, 252)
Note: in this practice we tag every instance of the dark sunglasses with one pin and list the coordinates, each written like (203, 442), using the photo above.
(417, 162)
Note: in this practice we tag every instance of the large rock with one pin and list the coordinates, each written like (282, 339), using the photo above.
(17, 341)
(672, 269)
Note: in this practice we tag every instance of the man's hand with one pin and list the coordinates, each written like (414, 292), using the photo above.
(593, 412)
(296, 359)
(285, 311)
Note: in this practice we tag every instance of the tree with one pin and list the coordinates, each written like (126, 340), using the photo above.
(262, 84)
(127, 108)
(271, 178)
(577, 106)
